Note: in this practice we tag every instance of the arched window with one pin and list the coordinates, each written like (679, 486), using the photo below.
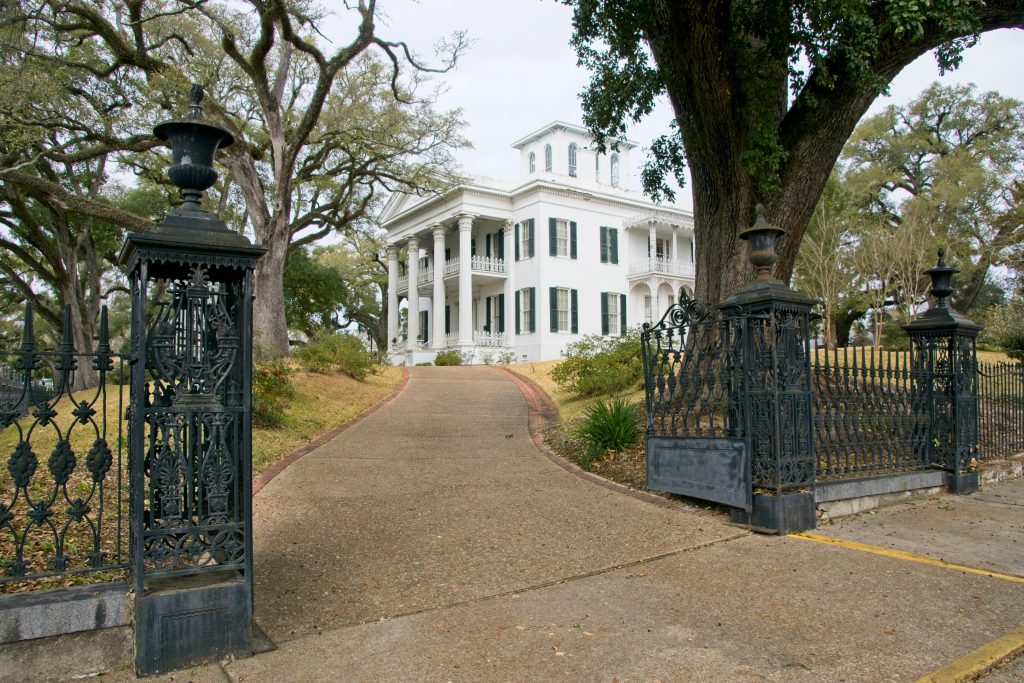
(615, 170)
(572, 159)
(547, 158)
(533, 162)
(597, 167)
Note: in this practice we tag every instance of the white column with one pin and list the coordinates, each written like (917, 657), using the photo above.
(675, 243)
(413, 329)
(392, 294)
(510, 285)
(465, 280)
(653, 232)
(438, 298)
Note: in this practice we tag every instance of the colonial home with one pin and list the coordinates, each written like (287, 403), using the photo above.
(522, 268)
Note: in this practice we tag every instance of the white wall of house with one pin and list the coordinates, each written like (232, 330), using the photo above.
(582, 206)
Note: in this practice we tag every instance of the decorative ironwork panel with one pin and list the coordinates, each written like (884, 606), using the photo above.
(865, 421)
(62, 491)
(778, 381)
(692, 372)
(947, 366)
(194, 472)
(1000, 410)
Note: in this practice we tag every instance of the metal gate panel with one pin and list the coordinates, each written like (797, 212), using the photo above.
(709, 469)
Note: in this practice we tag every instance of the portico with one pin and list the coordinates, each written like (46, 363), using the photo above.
(462, 291)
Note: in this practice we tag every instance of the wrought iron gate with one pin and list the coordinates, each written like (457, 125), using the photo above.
(696, 411)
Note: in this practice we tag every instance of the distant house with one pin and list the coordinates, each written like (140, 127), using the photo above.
(525, 267)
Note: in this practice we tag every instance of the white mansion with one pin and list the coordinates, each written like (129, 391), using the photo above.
(495, 268)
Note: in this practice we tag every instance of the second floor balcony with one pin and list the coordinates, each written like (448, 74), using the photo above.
(657, 265)
(486, 266)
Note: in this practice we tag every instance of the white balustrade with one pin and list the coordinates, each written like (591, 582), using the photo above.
(661, 265)
(487, 264)
(451, 339)
(426, 276)
(400, 345)
(479, 264)
(489, 339)
(403, 282)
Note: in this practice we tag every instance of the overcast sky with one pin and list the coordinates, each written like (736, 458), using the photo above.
(520, 72)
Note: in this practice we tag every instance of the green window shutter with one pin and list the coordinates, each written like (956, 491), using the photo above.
(424, 327)
(487, 315)
(572, 239)
(533, 308)
(519, 311)
(553, 306)
(613, 245)
(447, 319)
(604, 244)
(552, 232)
(501, 244)
(487, 245)
(447, 254)
(622, 313)
(533, 239)
(501, 314)
(574, 311)
(517, 241)
(604, 313)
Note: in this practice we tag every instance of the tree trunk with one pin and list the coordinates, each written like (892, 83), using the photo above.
(270, 328)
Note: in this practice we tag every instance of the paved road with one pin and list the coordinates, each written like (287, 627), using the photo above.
(433, 541)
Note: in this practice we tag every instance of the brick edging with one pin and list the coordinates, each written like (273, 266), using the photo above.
(264, 478)
(544, 414)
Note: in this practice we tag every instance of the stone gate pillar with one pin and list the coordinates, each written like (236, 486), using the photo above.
(944, 372)
(189, 418)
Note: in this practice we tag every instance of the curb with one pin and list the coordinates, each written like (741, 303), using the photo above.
(265, 477)
(544, 414)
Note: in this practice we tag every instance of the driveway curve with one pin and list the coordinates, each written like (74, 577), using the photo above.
(441, 498)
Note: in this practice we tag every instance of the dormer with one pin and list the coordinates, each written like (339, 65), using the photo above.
(565, 152)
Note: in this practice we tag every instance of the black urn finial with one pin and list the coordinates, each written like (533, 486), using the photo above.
(942, 279)
(193, 144)
(762, 237)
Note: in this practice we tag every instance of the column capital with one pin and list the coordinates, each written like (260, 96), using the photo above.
(465, 221)
(508, 224)
(392, 251)
(438, 230)
(414, 243)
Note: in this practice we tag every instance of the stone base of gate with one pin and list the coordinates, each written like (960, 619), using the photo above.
(963, 483)
(55, 635)
(848, 497)
(184, 621)
(786, 514)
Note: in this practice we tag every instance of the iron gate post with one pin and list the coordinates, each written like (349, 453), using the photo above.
(776, 383)
(189, 418)
(944, 373)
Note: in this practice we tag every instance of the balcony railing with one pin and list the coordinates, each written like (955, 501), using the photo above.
(661, 265)
(488, 264)
(451, 340)
(425, 275)
(403, 282)
(478, 264)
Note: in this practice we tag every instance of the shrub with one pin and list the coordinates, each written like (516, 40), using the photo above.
(272, 390)
(336, 352)
(597, 365)
(894, 337)
(448, 358)
(609, 426)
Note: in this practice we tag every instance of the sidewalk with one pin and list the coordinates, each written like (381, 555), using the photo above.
(433, 541)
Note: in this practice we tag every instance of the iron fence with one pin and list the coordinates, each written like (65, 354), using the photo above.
(1000, 410)
(865, 421)
(62, 513)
